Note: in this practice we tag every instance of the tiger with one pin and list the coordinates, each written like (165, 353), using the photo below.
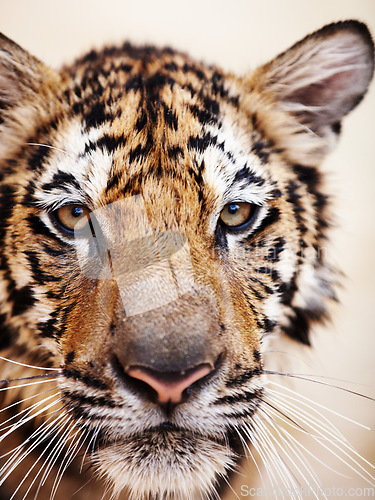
(161, 222)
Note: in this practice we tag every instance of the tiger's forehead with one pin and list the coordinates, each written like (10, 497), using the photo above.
(157, 123)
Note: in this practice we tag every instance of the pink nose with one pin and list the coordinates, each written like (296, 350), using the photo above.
(169, 386)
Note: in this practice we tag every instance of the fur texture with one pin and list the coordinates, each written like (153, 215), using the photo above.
(162, 152)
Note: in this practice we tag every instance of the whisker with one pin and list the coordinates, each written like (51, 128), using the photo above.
(42, 375)
(320, 438)
(56, 452)
(280, 465)
(23, 420)
(250, 454)
(95, 440)
(283, 414)
(20, 401)
(326, 425)
(92, 441)
(309, 378)
(293, 449)
(29, 366)
(70, 454)
(26, 410)
(254, 438)
(50, 443)
(48, 146)
(333, 412)
(17, 457)
(297, 444)
(23, 385)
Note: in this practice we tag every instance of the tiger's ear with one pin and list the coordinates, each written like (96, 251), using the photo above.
(322, 77)
(22, 77)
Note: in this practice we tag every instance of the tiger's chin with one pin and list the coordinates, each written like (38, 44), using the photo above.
(164, 465)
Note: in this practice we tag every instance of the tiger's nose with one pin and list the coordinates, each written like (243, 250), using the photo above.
(169, 386)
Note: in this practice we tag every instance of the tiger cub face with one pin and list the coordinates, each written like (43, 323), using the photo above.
(159, 220)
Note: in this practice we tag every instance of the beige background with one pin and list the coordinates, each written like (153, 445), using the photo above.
(238, 35)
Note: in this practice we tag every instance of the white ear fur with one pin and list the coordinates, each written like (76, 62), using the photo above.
(324, 76)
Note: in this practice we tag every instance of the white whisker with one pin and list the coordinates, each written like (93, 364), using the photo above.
(24, 385)
(69, 457)
(300, 396)
(280, 465)
(320, 438)
(51, 460)
(262, 452)
(310, 378)
(50, 147)
(286, 440)
(249, 453)
(318, 425)
(91, 442)
(322, 422)
(288, 437)
(27, 410)
(29, 366)
(23, 420)
(44, 451)
(36, 438)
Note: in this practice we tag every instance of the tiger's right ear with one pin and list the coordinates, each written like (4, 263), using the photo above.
(322, 77)
(316, 83)
(22, 77)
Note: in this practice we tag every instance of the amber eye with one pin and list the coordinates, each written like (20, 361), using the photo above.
(237, 214)
(73, 217)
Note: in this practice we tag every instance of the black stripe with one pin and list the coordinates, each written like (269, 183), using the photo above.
(244, 377)
(114, 181)
(221, 238)
(7, 197)
(246, 174)
(39, 276)
(272, 217)
(139, 152)
(300, 323)
(261, 151)
(87, 379)
(76, 400)
(238, 398)
(175, 153)
(141, 120)
(109, 142)
(38, 157)
(275, 251)
(170, 117)
(8, 334)
(62, 179)
(38, 227)
(48, 329)
(201, 114)
(23, 299)
(94, 114)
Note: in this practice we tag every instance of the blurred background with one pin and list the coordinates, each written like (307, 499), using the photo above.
(239, 35)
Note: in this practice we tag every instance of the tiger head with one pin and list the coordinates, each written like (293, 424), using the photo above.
(160, 219)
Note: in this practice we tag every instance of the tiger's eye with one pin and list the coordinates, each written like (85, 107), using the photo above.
(236, 214)
(73, 217)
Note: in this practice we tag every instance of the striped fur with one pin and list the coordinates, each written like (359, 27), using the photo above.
(185, 140)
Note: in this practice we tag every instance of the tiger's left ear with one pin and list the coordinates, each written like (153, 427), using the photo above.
(28, 92)
(321, 78)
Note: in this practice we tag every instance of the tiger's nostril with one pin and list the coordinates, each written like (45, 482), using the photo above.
(169, 386)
